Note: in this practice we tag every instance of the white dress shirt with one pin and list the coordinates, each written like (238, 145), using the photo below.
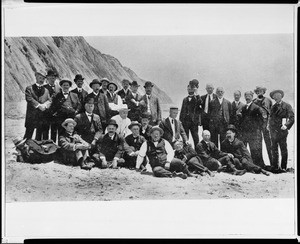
(143, 151)
(172, 126)
(89, 116)
(248, 104)
(207, 103)
(148, 103)
(220, 100)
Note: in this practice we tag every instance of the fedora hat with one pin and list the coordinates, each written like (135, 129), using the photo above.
(156, 127)
(39, 73)
(148, 83)
(123, 107)
(146, 115)
(51, 73)
(134, 83)
(64, 81)
(276, 91)
(104, 79)
(95, 81)
(67, 121)
(18, 141)
(194, 83)
(231, 127)
(111, 83)
(125, 80)
(112, 122)
(133, 123)
(259, 88)
(78, 77)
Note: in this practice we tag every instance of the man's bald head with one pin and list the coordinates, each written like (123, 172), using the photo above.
(206, 135)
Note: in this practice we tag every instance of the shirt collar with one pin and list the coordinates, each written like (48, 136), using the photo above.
(248, 104)
(96, 93)
(79, 89)
(88, 113)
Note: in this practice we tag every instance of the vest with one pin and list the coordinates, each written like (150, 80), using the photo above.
(112, 99)
(157, 155)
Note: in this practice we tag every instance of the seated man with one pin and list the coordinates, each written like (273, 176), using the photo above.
(145, 127)
(189, 156)
(110, 147)
(89, 124)
(161, 156)
(123, 121)
(133, 143)
(213, 158)
(74, 149)
(237, 148)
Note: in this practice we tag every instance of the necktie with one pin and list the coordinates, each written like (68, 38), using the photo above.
(172, 121)
(66, 93)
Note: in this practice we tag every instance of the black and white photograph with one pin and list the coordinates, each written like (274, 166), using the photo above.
(169, 104)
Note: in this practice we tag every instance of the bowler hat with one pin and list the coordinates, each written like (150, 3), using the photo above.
(259, 88)
(64, 81)
(148, 83)
(78, 77)
(125, 80)
(67, 121)
(18, 141)
(134, 83)
(231, 127)
(156, 127)
(51, 73)
(112, 122)
(194, 83)
(104, 79)
(133, 123)
(39, 73)
(111, 83)
(95, 81)
(145, 115)
(276, 91)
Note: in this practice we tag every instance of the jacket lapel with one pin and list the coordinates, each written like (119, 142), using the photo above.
(168, 125)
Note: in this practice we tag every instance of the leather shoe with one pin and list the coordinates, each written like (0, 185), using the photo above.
(180, 174)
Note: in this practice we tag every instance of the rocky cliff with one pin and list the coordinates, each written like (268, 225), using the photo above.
(68, 56)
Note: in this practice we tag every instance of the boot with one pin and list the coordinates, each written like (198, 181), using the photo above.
(239, 172)
(179, 174)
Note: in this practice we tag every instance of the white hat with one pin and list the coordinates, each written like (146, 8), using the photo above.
(123, 107)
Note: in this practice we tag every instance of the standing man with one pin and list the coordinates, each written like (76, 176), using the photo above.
(161, 157)
(81, 93)
(251, 122)
(125, 92)
(173, 128)
(281, 120)
(205, 119)
(266, 104)
(134, 102)
(65, 105)
(190, 114)
(114, 100)
(89, 125)
(242, 158)
(213, 158)
(50, 120)
(101, 107)
(38, 100)
(150, 103)
(220, 114)
(236, 106)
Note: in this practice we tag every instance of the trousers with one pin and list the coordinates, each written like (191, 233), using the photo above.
(279, 139)
(176, 165)
(190, 126)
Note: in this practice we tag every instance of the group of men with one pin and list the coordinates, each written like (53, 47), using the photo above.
(121, 128)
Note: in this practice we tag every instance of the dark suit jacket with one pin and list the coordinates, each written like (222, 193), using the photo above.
(102, 105)
(237, 148)
(52, 89)
(34, 97)
(206, 152)
(154, 107)
(203, 98)
(146, 134)
(284, 111)
(251, 119)
(133, 144)
(187, 151)
(81, 96)
(60, 110)
(110, 148)
(165, 124)
(266, 104)
(124, 95)
(135, 111)
(195, 107)
(84, 127)
(215, 106)
(235, 109)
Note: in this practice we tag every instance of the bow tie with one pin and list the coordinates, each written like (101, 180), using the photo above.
(80, 90)
(90, 115)
(66, 93)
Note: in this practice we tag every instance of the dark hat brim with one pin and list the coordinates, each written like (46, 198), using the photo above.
(111, 83)
(276, 91)
(65, 81)
(95, 82)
